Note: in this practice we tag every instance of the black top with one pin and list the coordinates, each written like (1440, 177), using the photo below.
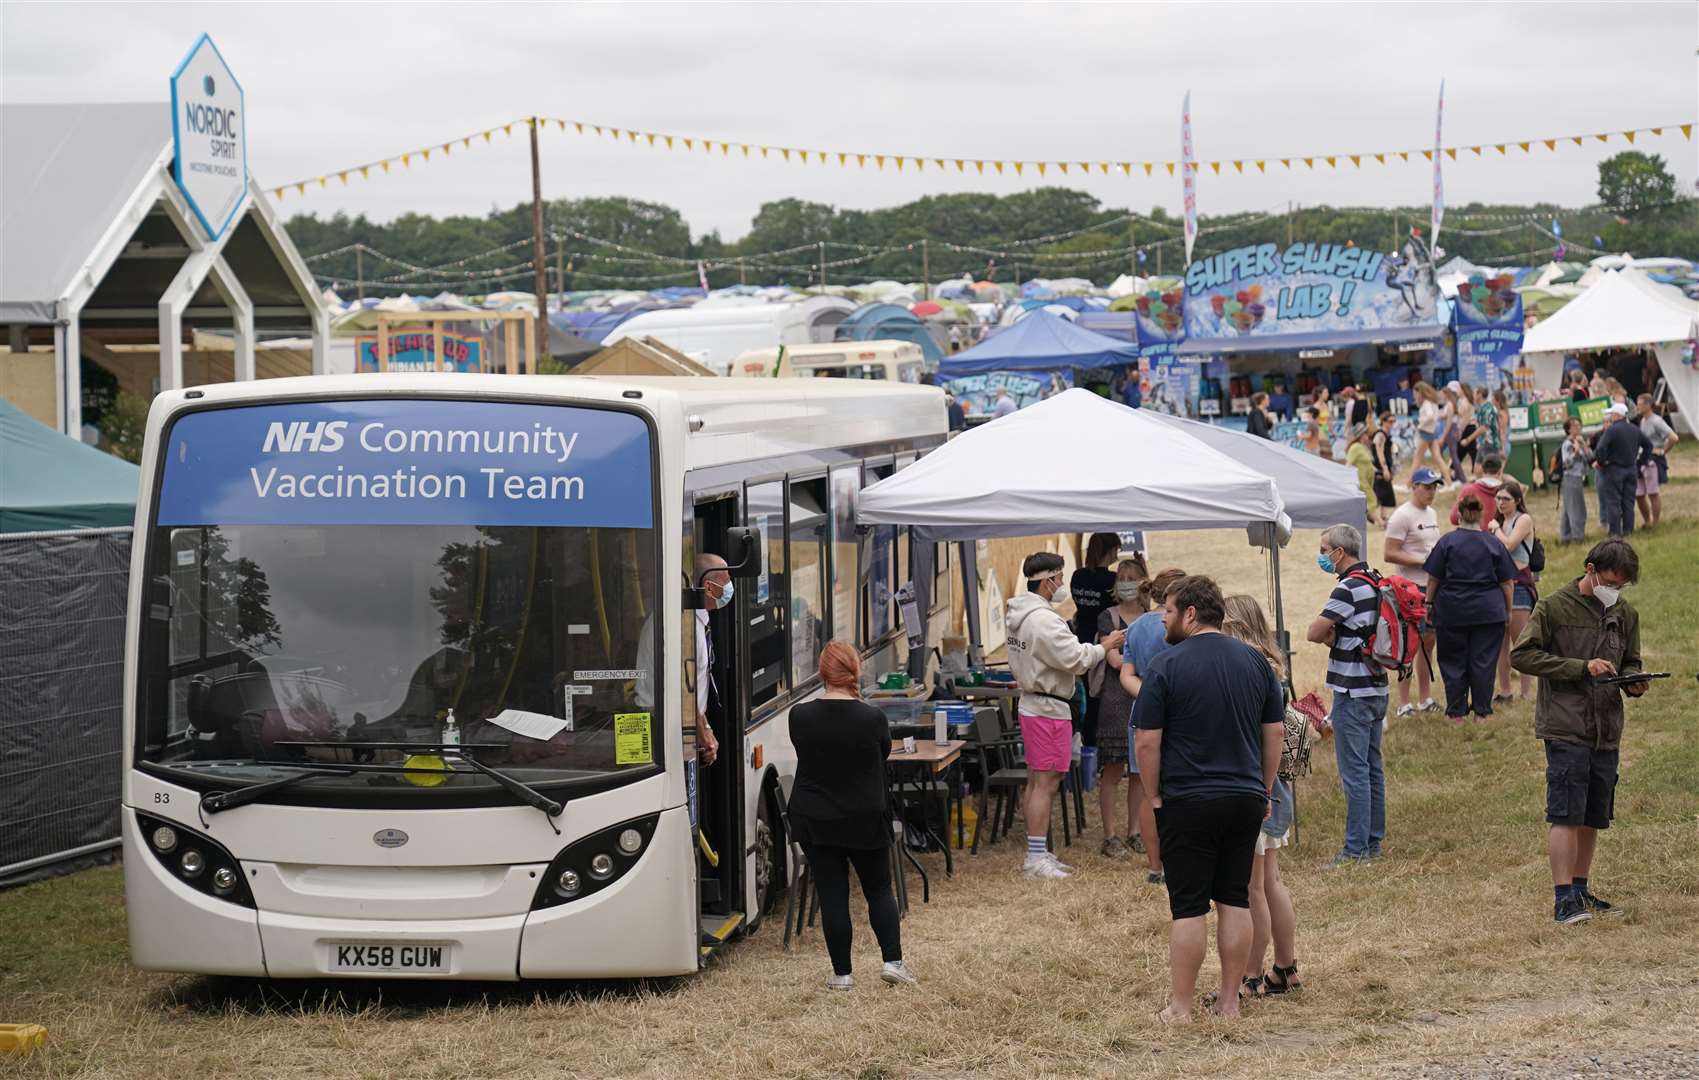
(1211, 697)
(1093, 590)
(1359, 410)
(1471, 567)
(958, 418)
(1619, 445)
(1257, 423)
(838, 799)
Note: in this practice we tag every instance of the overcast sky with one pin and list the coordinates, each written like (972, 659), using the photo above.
(333, 85)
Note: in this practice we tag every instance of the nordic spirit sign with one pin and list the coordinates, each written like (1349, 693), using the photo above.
(209, 137)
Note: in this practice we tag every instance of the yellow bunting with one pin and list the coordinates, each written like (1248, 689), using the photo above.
(385, 165)
(426, 154)
(822, 154)
(1451, 152)
(507, 129)
(998, 165)
(1357, 160)
(487, 134)
(861, 160)
(1286, 162)
(278, 194)
(1603, 138)
(300, 189)
(1524, 147)
(365, 172)
(447, 149)
(1499, 147)
(1262, 166)
(1381, 158)
(342, 176)
(1551, 144)
(725, 149)
(1687, 131)
(466, 143)
(1017, 168)
(561, 124)
(1040, 168)
(785, 153)
(1104, 165)
(841, 157)
(405, 163)
(980, 165)
(687, 144)
(597, 128)
(1239, 166)
(1576, 139)
(745, 147)
(899, 164)
(1216, 165)
(322, 182)
(579, 124)
(1169, 165)
(1062, 165)
(939, 162)
(919, 164)
(650, 135)
(669, 142)
(1475, 150)
(1309, 163)
(1656, 131)
(961, 166)
(631, 135)
(1331, 162)
(1629, 135)
(880, 158)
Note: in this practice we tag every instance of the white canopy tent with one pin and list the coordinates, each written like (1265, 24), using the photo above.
(1072, 463)
(1625, 309)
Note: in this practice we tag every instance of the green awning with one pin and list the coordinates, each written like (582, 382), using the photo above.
(49, 481)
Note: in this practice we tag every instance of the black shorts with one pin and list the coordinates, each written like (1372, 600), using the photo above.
(1384, 495)
(1580, 785)
(1207, 848)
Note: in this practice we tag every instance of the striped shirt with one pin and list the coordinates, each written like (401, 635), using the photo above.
(1353, 607)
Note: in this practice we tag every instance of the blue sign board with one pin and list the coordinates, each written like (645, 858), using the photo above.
(1487, 317)
(408, 462)
(209, 137)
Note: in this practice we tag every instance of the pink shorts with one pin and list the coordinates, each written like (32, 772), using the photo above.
(1049, 742)
(1647, 482)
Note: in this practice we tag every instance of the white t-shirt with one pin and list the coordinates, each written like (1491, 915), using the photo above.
(1427, 417)
(1418, 530)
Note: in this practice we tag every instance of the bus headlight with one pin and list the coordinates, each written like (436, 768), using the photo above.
(195, 860)
(592, 863)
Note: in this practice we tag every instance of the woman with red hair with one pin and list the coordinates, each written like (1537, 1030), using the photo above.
(838, 812)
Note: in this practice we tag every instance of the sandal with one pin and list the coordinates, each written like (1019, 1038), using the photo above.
(1281, 980)
(1251, 986)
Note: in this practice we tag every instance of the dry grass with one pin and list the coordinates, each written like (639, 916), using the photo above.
(1445, 951)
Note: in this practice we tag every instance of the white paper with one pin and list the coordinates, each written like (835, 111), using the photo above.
(531, 725)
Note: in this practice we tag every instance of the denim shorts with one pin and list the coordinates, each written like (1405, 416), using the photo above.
(1521, 597)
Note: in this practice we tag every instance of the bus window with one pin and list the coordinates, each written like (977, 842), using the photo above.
(909, 373)
(808, 535)
(768, 673)
(846, 551)
(877, 571)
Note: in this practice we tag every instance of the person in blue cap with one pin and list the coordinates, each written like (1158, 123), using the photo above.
(1411, 533)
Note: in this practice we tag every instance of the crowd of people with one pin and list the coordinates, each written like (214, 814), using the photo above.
(1187, 699)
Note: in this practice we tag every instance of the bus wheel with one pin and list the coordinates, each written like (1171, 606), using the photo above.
(767, 884)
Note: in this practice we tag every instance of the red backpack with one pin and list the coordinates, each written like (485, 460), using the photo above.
(1395, 637)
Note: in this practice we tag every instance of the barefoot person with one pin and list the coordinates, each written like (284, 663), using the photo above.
(1046, 658)
(1580, 633)
(1211, 723)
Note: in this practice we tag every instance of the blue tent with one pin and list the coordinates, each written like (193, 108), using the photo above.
(1040, 342)
(1115, 324)
(50, 481)
(888, 322)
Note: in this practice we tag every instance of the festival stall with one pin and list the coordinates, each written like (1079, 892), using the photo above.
(1034, 359)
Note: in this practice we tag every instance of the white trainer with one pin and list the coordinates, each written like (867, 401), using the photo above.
(1052, 857)
(897, 973)
(1044, 867)
(840, 982)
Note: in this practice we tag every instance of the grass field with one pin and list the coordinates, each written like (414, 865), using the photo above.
(1444, 953)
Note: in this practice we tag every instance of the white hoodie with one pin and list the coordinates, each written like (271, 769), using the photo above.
(1045, 655)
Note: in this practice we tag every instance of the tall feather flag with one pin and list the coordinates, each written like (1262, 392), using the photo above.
(1439, 180)
(702, 275)
(1188, 175)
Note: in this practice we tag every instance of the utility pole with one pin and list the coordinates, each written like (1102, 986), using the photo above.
(1159, 260)
(742, 277)
(926, 270)
(1132, 248)
(360, 271)
(560, 270)
(538, 259)
(1394, 231)
(822, 266)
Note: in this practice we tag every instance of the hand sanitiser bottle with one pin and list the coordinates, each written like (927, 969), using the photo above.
(450, 731)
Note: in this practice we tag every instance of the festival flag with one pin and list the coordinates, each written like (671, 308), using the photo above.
(1439, 179)
(702, 275)
(1188, 175)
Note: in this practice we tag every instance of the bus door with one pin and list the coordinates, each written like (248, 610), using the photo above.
(720, 785)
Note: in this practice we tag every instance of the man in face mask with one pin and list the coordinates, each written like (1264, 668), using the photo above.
(1047, 658)
(1576, 636)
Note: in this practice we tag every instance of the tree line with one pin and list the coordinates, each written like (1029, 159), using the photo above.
(1639, 210)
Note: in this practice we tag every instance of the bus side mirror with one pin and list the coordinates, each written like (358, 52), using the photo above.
(743, 552)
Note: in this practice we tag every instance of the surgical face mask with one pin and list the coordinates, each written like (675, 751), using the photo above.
(1060, 596)
(1605, 594)
(1126, 590)
(726, 593)
(1325, 561)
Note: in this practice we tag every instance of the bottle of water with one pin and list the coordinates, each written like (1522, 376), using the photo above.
(450, 731)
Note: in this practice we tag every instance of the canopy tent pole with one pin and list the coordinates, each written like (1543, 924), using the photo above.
(921, 574)
(970, 602)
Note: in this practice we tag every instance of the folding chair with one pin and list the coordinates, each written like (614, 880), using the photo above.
(799, 896)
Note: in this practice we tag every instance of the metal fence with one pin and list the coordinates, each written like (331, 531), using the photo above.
(62, 600)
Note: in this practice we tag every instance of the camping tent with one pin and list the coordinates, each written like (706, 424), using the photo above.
(1316, 492)
(996, 479)
(890, 322)
(50, 481)
(1040, 342)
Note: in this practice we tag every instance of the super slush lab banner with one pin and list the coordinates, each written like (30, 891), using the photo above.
(1264, 289)
(401, 462)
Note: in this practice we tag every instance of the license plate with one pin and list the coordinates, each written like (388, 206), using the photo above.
(389, 956)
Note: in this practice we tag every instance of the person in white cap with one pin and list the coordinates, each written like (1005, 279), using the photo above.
(1617, 457)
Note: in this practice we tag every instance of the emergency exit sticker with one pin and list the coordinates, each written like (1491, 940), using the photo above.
(632, 745)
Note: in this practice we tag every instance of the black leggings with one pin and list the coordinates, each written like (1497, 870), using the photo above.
(830, 868)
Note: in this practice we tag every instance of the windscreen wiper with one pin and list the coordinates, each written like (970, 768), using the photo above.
(520, 790)
(230, 800)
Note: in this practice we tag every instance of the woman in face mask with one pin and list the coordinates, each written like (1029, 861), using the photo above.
(1115, 707)
(1469, 582)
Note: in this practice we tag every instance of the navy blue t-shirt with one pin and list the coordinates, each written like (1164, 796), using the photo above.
(1470, 566)
(1210, 696)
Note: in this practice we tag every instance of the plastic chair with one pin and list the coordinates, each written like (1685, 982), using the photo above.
(800, 898)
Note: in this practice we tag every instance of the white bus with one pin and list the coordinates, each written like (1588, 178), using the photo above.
(891, 361)
(328, 569)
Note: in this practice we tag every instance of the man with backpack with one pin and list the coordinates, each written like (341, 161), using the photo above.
(1358, 683)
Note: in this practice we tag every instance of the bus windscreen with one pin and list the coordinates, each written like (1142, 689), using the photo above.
(329, 580)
